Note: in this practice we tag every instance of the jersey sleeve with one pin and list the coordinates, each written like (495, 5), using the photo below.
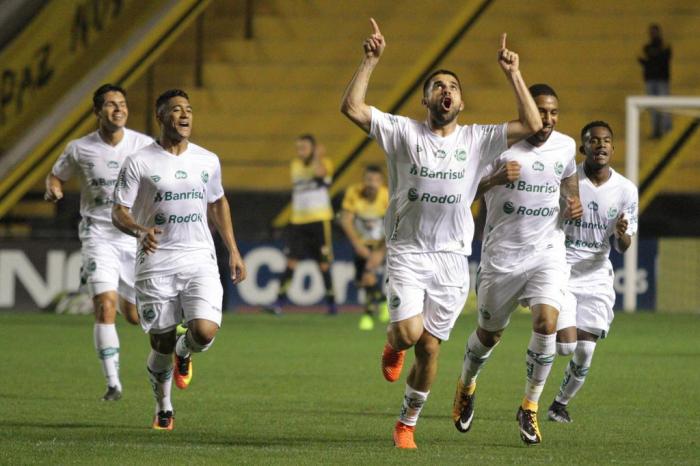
(630, 208)
(215, 190)
(66, 164)
(388, 130)
(127, 187)
(570, 168)
(491, 141)
(349, 200)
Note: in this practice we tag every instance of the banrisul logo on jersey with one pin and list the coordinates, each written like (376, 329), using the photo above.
(113, 164)
(612, 212)
(175, 196)
(508, 207)
(160, 218)
(425, 172)
(522, 185)
(180, 175)
(558, 168)
(593, 206)
(205, 176)
(538, 166)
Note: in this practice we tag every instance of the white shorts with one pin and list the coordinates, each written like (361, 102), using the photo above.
(538, 279)
(163, 302)
(434, 284)
(589, 303)
(108, 266)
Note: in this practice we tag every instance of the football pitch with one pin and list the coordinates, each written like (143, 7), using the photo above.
(307, 389)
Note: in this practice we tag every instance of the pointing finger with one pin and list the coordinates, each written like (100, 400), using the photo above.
(503, 40)
(375, 26)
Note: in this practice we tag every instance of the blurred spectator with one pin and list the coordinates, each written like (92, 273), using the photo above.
(656, 61)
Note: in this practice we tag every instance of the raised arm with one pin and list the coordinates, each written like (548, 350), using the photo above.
(219, 213)
(529, 121)
(353, 104)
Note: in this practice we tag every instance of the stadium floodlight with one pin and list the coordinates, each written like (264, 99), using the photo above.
(635, 105)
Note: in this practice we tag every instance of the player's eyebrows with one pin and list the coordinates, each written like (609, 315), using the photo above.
(452, 82)
(181, 107)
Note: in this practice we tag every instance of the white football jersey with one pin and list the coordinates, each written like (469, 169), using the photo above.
(97, 164)
(432, 181)
(588, 239)
(524, 216)
(171, 192)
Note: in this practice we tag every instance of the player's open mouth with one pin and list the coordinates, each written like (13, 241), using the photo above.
(600, 153)
(184, 124)
(447, 103)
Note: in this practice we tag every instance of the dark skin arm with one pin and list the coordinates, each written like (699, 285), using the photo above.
(622, 239)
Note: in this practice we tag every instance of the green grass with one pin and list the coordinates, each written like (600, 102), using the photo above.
(306, 389)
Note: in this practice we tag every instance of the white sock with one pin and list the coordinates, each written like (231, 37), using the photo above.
(475, 355)
(565, 349)
(107, 347)
(540, 355)
(186, 345)
(160, 374)
(576, 371)
(413, 402)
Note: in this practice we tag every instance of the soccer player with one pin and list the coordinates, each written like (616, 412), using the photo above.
(609, 210)
(362, 219)
(523, 260)
(166, 194)
(309, 229)
(107, 269)
(434, 168)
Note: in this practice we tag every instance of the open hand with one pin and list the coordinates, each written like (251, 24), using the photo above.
(621, 225)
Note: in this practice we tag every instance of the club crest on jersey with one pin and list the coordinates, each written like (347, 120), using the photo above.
(394, 302)
(113, 164)
(484, 313)
(538, 166)
(160, 218)
(508, 207)
(180, 175)
(593, 206)
(205, 176)
(558, 168)
(461, 155)
(148, 314)
(612, 212)
(155, 178)
(441, 154)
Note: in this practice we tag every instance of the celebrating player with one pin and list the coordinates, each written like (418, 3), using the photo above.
(609, 209)
(434, 168)
(523, 258)
(362, 219)
(309, 229)
(107, 254)
(173, 188)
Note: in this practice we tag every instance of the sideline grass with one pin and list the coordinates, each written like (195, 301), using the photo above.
(306, 389)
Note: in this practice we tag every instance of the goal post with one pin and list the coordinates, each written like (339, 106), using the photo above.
(634, 106)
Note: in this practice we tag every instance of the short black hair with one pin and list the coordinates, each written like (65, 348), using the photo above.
(372, 168)
(307, 137)
(426, 83)
(542, 89)
(167, 95)
(98, 98)
(595, 124)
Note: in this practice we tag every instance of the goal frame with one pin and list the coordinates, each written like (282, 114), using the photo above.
(634, 107)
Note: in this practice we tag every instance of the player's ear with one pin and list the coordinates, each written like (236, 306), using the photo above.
(580, 149)
(461, 106)
(424, 102)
